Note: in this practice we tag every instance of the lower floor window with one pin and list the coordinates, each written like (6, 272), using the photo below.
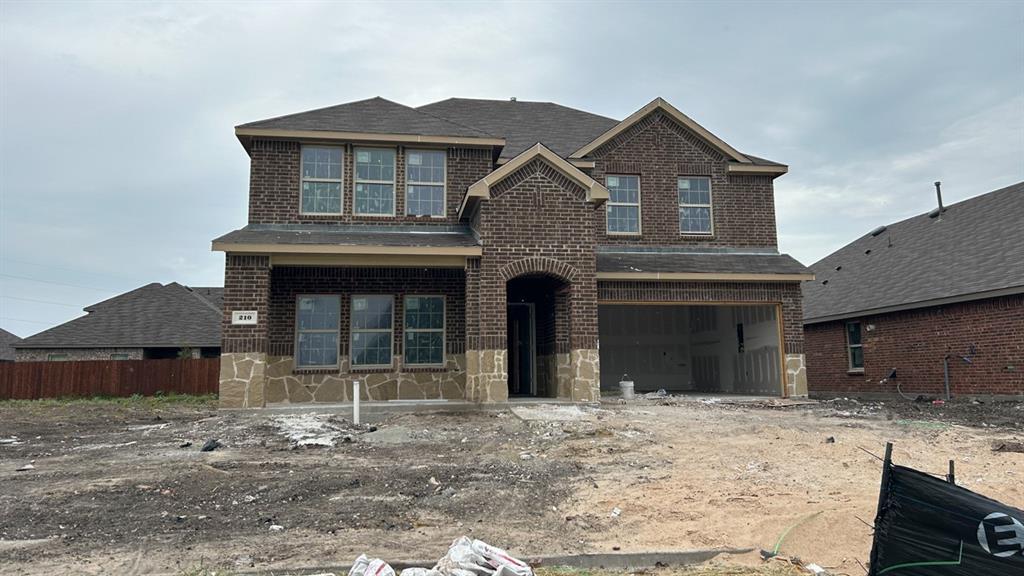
(118, 356)
(317, 331)
(424, 330)
(372, 330)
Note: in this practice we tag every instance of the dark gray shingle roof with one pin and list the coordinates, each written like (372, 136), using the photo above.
(352, 235)
(522, 124)
(375, 115)
(977, 246)
(711, 262)
(153, 315)
(7, 342)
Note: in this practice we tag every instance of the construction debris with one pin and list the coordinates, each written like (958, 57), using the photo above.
(365, 566)
(211, 445)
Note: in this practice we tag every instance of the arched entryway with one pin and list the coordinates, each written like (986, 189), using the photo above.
(538, 325)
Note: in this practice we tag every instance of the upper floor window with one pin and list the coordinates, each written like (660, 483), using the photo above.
(424, 182)
(375, 182)
(321, 180)
(854, 348)
(316, 330)
(424, 330)
(623, 204)
(372, 330)
(694, 205)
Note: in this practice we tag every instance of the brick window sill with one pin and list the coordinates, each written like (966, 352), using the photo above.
(856, 372)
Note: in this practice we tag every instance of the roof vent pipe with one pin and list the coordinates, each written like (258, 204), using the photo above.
(938, 195)
(512, 99)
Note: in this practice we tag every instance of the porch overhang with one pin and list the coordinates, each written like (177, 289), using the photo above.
(709, 265)
(364, 245)
(481, 189)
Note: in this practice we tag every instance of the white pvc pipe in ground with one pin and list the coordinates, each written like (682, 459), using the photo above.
(355, 401)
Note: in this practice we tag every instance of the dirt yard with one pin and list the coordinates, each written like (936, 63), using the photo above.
(123, 488)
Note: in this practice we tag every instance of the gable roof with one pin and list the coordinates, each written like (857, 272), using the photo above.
(671, 111)
(596, 192)
(154, 315)
(371, 119)
(522, 123)
(7, 342)
(974, 250)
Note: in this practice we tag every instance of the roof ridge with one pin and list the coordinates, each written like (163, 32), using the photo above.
(320, 109)
(450, 121)
(201, 298)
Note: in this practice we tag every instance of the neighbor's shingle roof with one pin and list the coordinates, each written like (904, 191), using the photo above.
(976, 247)
(376, 115)
(7, 342)
(720, 263)
(348, 235)
(523, 124)
(153, 315)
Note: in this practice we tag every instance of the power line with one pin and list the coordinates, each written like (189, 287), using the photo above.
(41, 301)
(57, 283)
(78, 270)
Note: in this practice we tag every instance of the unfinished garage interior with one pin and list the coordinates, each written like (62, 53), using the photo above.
(717, 349)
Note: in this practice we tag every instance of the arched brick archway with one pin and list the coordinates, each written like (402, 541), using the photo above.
(538, 265)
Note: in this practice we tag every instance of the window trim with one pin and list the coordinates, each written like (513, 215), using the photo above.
(639, 208)
(352, 334)
(444, 330)
(57, 357)
(444, 182)
(337, 330)
(710, 206)
(340, 181)
(356, 181)
(849, 347)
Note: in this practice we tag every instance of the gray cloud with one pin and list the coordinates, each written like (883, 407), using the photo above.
(118, 163)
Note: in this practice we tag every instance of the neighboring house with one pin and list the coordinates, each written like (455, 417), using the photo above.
(7, 342)
(480, 249)
(154, 321)
(932, 296)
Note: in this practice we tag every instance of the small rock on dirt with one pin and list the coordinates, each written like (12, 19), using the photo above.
(276, 528)
(830, 440)
(26, 468)
(211, 445)
(1008, 447)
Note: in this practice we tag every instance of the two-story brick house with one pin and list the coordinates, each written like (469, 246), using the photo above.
(479, 249)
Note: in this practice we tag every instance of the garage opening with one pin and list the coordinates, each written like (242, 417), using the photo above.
(706, 349)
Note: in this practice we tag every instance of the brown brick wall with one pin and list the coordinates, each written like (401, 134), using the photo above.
(659, 150)
(288, 282)
(246, 287)
(537, 221)
(785, 293)
(915, 343)
(274, 185)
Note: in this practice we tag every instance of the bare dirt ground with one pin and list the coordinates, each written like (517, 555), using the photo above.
(116, 489)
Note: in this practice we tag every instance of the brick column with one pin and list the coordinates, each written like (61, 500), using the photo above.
(243, 357)
(486, 373)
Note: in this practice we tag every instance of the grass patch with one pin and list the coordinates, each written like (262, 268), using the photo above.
(769, 569)
(134, 401)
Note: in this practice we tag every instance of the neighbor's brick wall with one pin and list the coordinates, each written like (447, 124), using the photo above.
(42, 354)
(288, 282)
(915, 342)
(659, 150)
(536, 221)
(246, 287)
(785, 293)
(274, 185)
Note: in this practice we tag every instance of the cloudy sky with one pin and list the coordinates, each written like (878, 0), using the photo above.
(118, 164)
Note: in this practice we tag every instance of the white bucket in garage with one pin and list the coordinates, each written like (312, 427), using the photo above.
(626, 387)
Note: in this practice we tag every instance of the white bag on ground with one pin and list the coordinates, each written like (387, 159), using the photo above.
(500, 560)
(462, 560)
(420, 572)
(364, 566)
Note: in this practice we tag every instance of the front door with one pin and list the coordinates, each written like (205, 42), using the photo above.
(522, 379)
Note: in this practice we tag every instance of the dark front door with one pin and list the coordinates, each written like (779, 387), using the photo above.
(521, 349)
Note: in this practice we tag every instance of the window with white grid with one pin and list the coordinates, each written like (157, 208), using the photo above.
(694, 205)
(424, 330)
(424, 182)
(372, 330)
(623, 204)
(321, 180)
(316, 331)
(374, 182)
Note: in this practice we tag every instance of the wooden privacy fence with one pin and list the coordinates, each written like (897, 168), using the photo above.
(32, 380)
